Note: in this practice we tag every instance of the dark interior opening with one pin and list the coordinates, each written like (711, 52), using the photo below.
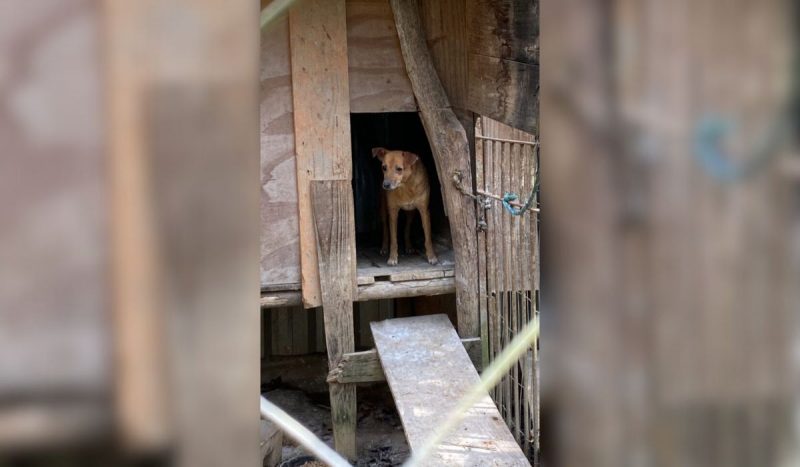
(394, 131)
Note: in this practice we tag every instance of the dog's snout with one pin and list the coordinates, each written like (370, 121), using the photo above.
(387, 185)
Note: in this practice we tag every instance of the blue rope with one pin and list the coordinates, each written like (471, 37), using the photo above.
(508, 197)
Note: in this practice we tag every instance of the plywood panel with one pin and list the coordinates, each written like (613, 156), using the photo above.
(378, 80)
(280, 236)
(445, 24)
(318, 43)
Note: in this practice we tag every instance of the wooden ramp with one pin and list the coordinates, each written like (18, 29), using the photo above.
(428, 371)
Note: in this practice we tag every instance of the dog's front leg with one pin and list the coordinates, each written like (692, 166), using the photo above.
(393, 211)
(426, 227)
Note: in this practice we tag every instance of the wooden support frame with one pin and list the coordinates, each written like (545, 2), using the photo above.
(365, 367)
(333, 221)
(452, 156)
(378, 290)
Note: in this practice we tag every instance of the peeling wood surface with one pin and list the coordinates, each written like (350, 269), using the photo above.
(429, 371)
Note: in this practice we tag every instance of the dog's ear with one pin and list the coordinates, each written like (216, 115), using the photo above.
(379, 153)
(409, 158)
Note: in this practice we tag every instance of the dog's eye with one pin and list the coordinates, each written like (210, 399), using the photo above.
(399, 169)
(384, 168)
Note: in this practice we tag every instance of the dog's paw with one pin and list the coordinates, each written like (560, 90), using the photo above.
(392, 261)
(384, 251)
(433, 259)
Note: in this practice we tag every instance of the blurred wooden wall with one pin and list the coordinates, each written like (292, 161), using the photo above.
(669, 294)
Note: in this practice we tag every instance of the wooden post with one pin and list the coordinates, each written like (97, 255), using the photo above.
(321, 99)
(184, 161)
(333, 219)
(450, 152)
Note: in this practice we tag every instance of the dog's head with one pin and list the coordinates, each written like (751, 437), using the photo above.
(397, 166)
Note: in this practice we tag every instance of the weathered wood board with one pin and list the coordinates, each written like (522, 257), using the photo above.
(428, 372)
(507, 29)
(503, 56)
(372, 264)
(504, 90)
(318, 42)
(280, 237)
(445, 26)
(335, 244)
(378, 79)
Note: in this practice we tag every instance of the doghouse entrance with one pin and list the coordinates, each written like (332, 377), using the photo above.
(401, 131)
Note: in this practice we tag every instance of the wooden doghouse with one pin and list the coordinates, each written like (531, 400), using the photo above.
(455, 81)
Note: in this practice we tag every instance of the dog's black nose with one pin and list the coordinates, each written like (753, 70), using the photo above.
(386, 185)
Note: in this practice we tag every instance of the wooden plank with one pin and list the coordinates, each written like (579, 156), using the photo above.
(320, 91)
(280, 237)
(278, 299)
(374, 291)
(504, 90)
(378, 79)
(386, 289)
(357, 367)
(483, 300)
(507, 29)
(365, 367)
(497, 183)
(429, 371)
(503, 56)
(451, 153)
(445, 26)
(333, 220)
(411, 267)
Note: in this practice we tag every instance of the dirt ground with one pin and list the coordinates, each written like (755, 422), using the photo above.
(299, 388)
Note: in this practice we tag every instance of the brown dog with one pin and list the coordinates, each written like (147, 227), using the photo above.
(405, 184)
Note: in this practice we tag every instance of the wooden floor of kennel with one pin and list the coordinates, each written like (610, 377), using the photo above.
(316, 68)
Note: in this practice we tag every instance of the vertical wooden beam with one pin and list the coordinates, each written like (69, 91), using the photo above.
(140, 396)
(451, 153)
(321, 99)
(184, 161)
(333, 220)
